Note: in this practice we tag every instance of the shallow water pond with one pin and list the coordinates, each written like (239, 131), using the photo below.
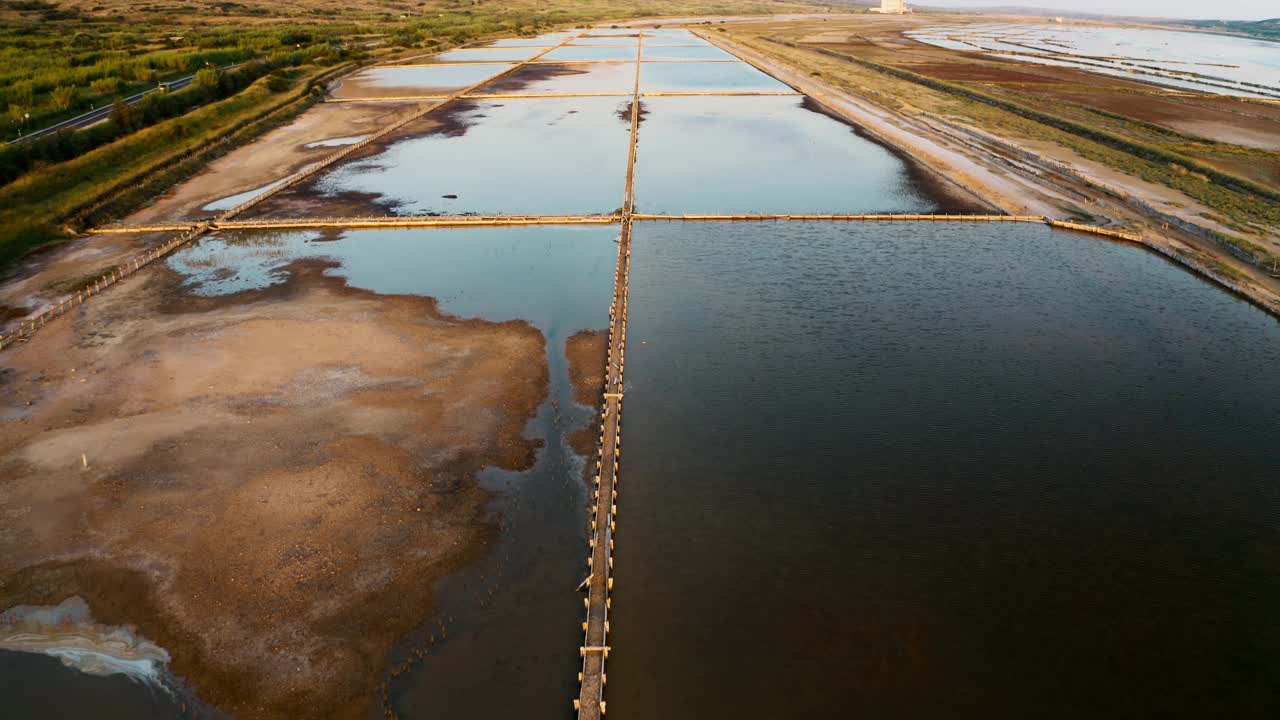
(708, 52)
(763, 155)
(522, 157)
(941, 471)
(414, 80)
(706, 77)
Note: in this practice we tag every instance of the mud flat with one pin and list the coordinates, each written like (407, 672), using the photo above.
(266, 484)
(45, 277)
(272, 158)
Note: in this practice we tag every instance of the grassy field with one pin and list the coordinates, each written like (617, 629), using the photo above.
(60, 58)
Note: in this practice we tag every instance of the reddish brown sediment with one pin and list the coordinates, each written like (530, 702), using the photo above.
(266, 484)
(587, 351)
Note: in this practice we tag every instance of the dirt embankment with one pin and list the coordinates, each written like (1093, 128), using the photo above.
(267, 484)
(587, 351)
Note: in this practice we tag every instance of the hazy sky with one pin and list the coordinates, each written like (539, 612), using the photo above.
(1201, 9)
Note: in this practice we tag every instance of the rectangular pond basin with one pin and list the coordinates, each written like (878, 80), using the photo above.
(684, 41)
(538, 78)
(534, 42)
(481, 54)
(589, 53)
(705, 52)
(764, 155)
(707, 77)
(950, 470)
(511, 613)
(524, 157)
(605, 41)
(413, 81)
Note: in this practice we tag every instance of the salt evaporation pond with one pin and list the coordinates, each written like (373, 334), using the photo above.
(511, 617)
(941, 470)
(1221, 64)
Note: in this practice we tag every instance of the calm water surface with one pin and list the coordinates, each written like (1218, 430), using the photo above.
(762, 155)
(706, 77)
(546, 156)
(707, 52)
(590, 53)
(619, 77)
(419, 79)
(942, 471)
(504, 54)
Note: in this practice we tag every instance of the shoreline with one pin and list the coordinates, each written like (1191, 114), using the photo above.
(968, 173)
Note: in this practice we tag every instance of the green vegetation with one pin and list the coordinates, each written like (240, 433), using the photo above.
(210, 84)
(120, 175)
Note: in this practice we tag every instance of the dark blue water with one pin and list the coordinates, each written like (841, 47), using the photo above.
(942, 471)
(40, 687)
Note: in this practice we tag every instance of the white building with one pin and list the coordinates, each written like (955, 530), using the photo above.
(892, 7)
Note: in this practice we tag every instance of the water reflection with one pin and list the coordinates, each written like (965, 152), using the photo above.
(942, 471)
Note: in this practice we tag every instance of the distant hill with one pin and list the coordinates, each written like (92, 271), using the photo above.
(1266, 29)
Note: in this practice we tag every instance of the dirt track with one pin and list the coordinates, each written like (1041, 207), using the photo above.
(272, 481)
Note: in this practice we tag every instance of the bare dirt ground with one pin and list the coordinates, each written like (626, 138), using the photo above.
(587, 351)
(267, 484)
(272, 157)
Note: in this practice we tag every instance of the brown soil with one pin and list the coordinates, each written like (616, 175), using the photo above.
(276, 155)
(1240, 125)
(587, 351)
(979, 73)
(272, 481)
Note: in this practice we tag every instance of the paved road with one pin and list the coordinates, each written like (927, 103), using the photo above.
(99, 114)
